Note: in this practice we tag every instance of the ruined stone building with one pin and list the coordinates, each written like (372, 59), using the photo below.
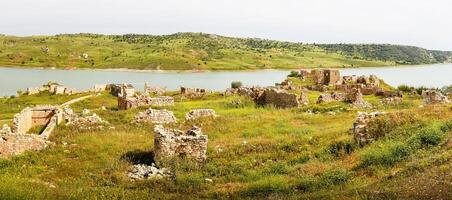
(326, 76)
(49, 116)
(125, 103)
(173, 143)
(198, 113)
(278, 98)
(153, 90)
(433, 96)
(193, 91)
(121, 90)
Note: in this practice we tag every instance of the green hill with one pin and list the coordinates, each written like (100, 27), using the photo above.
(188, 51)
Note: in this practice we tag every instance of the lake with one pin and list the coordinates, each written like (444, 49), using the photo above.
(14, 79)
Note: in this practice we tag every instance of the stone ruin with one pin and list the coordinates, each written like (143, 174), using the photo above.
(30, 117)
(198, 113)
(392, 100)
(84, 121)
(335, 96)
(125, 103)
(326, 76)
(15, 144)
(122, 90)
(278, 98)
(145, 172)
(53, 88)
(193, 92)
(360, 129)
(304, 74)
(287, 85)
(173, 143)
(433, 96)
(355, 97)
(303, 100)
(153, 90)
(16, 140)
(155, 116)
(367, 84)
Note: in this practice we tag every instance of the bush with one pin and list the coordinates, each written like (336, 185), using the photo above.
(236, 84)
(430, 136)
(404, 88)
(386, 155)
(294, 74)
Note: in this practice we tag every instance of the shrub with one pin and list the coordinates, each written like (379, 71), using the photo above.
(386, 155)
(404, 88)
(430, 136)
(294, 74)
(236, 84)
(338, 148)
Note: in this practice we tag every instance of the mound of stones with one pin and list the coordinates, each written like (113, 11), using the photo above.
(84, 121)
(433, 97)
(392, 100)
(14, 144)
(355, 97)
(144, 172)
(173, 143)
(155, 116)
(360, 127)
(335, 96)
(199, 113)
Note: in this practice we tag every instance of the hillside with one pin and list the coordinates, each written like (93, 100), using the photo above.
(198, 51)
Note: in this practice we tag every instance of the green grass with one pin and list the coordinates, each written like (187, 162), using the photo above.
(253, 153)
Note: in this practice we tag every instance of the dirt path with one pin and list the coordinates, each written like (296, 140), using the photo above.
(75, 100)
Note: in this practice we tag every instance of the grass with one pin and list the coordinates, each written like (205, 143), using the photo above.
(253, 152)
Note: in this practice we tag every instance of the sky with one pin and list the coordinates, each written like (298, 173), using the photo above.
(424, 23)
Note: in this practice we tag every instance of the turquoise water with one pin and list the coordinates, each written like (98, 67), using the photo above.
(14, 79)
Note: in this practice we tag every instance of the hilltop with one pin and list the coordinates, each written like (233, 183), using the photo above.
(199, 51)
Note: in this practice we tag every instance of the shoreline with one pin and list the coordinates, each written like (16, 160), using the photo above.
(204, 71)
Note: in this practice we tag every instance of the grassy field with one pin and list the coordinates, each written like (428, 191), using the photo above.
(187, 51)
(253, 153)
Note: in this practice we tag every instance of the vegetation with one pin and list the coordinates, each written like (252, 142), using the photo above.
(253, 153)
(198, 51)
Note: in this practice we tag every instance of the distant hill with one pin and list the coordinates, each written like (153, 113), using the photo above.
(199, 51)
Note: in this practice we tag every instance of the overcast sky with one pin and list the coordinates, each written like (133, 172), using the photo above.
(425, 23)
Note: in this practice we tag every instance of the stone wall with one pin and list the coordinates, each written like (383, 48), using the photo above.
(278, 98)
(359, 128)
(144, 100)
(433, 96)
(198, 113)
(153, 90)
(355, 97)
(15, 144)
(155, 116)
(173, 143)
(326, 77)
(36, 116)
(193, 91)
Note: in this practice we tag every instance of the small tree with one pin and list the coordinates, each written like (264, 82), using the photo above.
(294, 74)
(236, 84)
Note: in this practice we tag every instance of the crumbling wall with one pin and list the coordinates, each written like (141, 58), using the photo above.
(125, 103)
(153, 90)
(173, 143)
(193, 91)
(326, 77)
(278, 98)
(35, 116)
(198, 113)
(155, 116)
(360, 129)
(433, 96)
(15, 144)
(355, 97)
